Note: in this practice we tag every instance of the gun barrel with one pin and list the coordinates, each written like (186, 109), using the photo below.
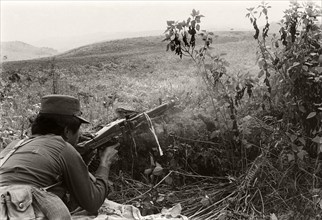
(116, 128)
(159, 110)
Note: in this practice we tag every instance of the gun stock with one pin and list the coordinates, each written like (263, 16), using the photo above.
(118, 127)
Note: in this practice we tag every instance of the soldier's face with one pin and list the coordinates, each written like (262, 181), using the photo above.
(72, 137)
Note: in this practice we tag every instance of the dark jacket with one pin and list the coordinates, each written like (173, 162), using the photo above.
(47, 160)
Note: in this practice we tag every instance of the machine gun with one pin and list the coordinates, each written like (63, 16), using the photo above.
(121, 127)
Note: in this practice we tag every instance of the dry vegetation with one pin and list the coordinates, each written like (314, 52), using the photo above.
(230, 153)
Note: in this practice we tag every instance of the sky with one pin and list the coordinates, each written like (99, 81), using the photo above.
(51, 23)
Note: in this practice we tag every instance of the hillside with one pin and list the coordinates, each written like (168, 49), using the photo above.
(17, 50)
(131, 48)
(138, 70)
(243, 140)
(139, 44)
(65, 43)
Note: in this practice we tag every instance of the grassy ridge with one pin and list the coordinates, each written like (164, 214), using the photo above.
(137, 72)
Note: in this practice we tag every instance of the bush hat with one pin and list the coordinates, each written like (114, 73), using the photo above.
(61, 105)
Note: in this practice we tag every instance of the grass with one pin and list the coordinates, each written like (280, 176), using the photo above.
(139, 71)
(131, 73)
(262, 171)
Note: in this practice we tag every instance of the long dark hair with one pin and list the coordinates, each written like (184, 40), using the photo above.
(54, 124)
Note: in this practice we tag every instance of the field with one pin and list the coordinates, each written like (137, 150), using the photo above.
(138, 72)
(227, 155)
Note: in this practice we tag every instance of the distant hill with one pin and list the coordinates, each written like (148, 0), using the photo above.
(129, 48)
(65, 43)
(139, 45)
(17, 50)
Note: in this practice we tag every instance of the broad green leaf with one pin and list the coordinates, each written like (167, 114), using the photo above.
(160, 198)
(188, 21)
(320, 59)
(317, 139)
(197, 27)
(179, 26)
(222, 215)
(305, 68)
(302, 140)
(302, 109)
(175, 210)
(169, 23)
(292, 137)
(167, 37)
(302, 154)
(193, 22)
(194, 13)
(215, 134)
(318, 69)
(205, 201)
(168, 28)
(290, 157)
(311, 115)
(311, 74)
(2, 83)
(158, 170)
(148, 171)
(260, 74)
(168, 180)
(273, 217)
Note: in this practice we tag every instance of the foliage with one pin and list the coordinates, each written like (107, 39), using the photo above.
(266, 143)
(236, 146)
(292, 66)
(182, 36)
(230, 93)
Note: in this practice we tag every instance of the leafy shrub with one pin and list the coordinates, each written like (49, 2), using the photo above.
(292, 67)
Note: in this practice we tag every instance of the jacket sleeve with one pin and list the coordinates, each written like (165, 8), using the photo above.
(89, 195)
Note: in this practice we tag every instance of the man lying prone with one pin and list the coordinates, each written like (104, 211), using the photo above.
(40, 174)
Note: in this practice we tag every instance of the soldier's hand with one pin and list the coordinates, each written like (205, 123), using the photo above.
(109, 155)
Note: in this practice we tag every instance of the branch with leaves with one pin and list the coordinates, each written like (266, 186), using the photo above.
(292, 66)
(182, 36)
